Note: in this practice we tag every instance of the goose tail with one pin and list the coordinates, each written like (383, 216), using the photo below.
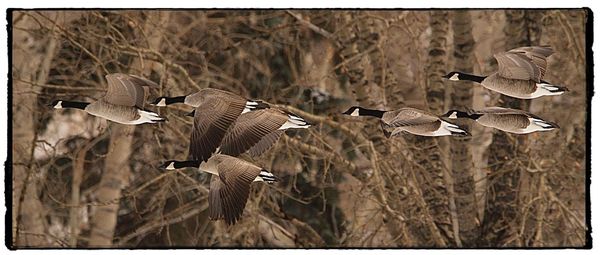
(547, 125)
(554, 89)
(455, 130)
(294, 121)
(268, 177)
(252, 105)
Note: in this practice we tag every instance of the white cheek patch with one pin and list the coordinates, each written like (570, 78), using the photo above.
(162, 102)
(171, 166)
(453, 115)
(58, 105)
(454, 77)
(355, 112)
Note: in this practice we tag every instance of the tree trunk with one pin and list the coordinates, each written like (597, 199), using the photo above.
(31, 63)
(437, 61)
(116, 174)
(462, 159)
(435, 100)
(366, 86)
(500, 221)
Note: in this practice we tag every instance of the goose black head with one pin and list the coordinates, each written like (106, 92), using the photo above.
(353, 111)
(57, 104)
(161, 101)
(453, 76)
(168, 165)
(452, 114)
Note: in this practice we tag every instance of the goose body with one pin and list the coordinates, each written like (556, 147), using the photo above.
(505, 119)
(123, 102)
(410, 120)
(230, 184)
(520, 74)
(200, 98)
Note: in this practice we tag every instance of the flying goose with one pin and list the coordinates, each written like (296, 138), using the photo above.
(215, 111)
(258, 130)
(410, 120)
(201, 98)
(229, 185)
(520, 74)
(123, 102)
(505, 119)
(254, 131)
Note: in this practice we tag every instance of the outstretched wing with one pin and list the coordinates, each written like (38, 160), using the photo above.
(233, 187)
(250, 128)
(265, 143)
(212, 119)
(524, 63)
(537, 54)
(127, 90)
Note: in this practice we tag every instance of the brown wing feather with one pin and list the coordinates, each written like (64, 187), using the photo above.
(537, 54)
(235, 175)
(501, 111)
(215, 206)
(408, 117)
(265, 143)
(212, 119)
(126, 90)
(507, 121)
(198, 98)
(517, 66)
(250, 128)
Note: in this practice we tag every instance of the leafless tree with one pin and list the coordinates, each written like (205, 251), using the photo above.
(80, 181)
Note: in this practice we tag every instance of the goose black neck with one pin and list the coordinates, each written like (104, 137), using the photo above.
(371, 112)
(473, 116)
(71, 104)
(174, 100)
(471, 77)
(187, 163)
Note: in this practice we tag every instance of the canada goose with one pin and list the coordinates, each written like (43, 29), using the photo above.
(204, 97)
(123, 102)
(259, 130)
(254, 131)
(230, 184)
(216, 110)
(410, 120)
(508, 120)
(520, 74)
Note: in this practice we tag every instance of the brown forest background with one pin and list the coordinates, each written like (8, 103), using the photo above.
(80, 182)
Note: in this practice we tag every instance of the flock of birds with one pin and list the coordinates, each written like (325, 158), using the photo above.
(227, 125)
